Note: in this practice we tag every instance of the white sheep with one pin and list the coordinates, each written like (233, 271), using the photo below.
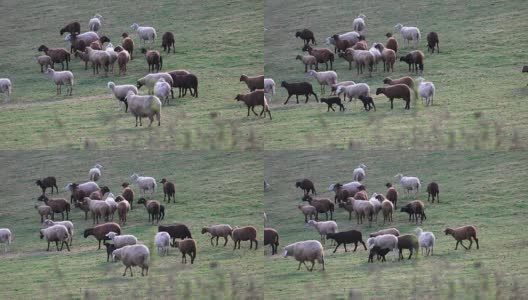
(162, 241)
(88, 37)
(385, 241)
(310, 250)
(62, 78)
(359, 23)
(67, 224)
(5, 237)
(113, 55)
(376, 54)
(95, 172)
(150, 80)
(351, 36)
(376, 204)
(144, 106)
(6, 88)
(95, 23)
(109, 198)
(120, 92)
(426, 89)
(426, 239)
(45, 62)
(162, 90)
(342, 83)
(98, 58)
(323, 227)
(324, 78)
(88, 187)
(145, 183)
(56, 233)
(269, 87)
(121, 241)
(409, 33)
(145, 33)
(409, 183)
(133, 255)
(353, 91)
(359, 173)
(350, 186)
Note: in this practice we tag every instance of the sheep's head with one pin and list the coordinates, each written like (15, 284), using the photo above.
(307, 198)
(124, 35)
(362, 188)
(125, 184)
(297, 34)
(361, 37)
(398, 26)
(38, 182)
(335, 37)
(388, 34)
(42, 198)
(284, 83)
(138, 84)
(306, 48)
(239, 97)
(243, 77)
(204, 230)
(448, 231)
(134, 26)
(388, 185)
(405, 209)
(118, 49)
(298, 184)
(116, 255)
(163, 180)
(104, 39)
(380, 91)
(105, 189)
(111, 235)
(298, 57)
(324, 100)
(142, 201)
(49, 71)
(41, 234)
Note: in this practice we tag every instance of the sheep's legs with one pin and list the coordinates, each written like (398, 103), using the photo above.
(225, 243)
(212, 241)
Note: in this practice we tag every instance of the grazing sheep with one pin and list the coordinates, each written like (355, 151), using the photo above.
(56, 233)
(128, 44)
(388, 210)
(168, 41)
(95, 23)
(330, 103)
(252, 99)
(324, 78)
(307, 186)
(169, 190)
(323, 227)
(73, 27)
(79, 41)
(414, 209)
(5, 238)
(48, 182)
(385, 241)
(58, 205)
(248, 233)
(133, 255)
(409, 183)
(359, 23)
(98, 208)
(392, 231)
(271, 237)
(359, 173)
(154, 59)
(123, 207)
(347, 237)
(162, 241)
(79, 191)
(58, 55)
(409, 33)
(162, 90)
(426, 89)
(109, 250)
(128, 194)
(368, 102)
(408, 81)
(414, 59)
(121, 240)
(308, 61)
(322, 205)
(150, 80)
(392, 194)
(388, 56)
(95, 172)
(144, 106)
(353, 91)
(44, 212)
(426, 240)
(185, 82)
(342, 83)
(379, 252)
(123, 57)
(306, 35)
(410, 242)
(99, 59)
(176, 231)
(269, 87)
(297, 89)
(187, 246)
(45, 62)
(152, 207)
(434, 191)
(323, 55)
(253, 83)
(310, 250)
(61, 78)
(396, 91)
(67, 224)
(432, 41)
(121, 91)
(468, 232)
(308, 210)
(145, 33)
(217, 231)
(100, 231)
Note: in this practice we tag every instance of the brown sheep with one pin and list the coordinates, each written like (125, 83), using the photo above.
(468, 232)
(252, 99)
(388, 56)
(432, 41)
(396, 91)
(323, 55)
(58, 205)
(185, 82)
(322, 205)
(58, 55)
(306, 35)
(434, 191)
(388, 209)
(414, 59)
(48, 182)
(362, 194)
(253, 83)
(100, 231)
(123, 207)
(187, 246)
(83, 56)
(392, 44)
(307, 210)
(73, 27)
(123, 57)
(169, 190)
(307, 186)
(271, 237)
(98, 195)
(153, 208)
(167, 40)
(154, 59)
(98, 45)
(408, 241)
(414, 209)
(361, 45)
(128, 44)
(128, 193)
(248, 233)
(341, 45)
(392, 194)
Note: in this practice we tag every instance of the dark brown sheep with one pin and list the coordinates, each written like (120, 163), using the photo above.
(414, 59)
(153, 208)
(185, 82)
(98, 45)
(48, 182)
(176, 231)
(322, 205)
(396, 91)
(376, 250)
(330, 103)
(432, 42)
(434, 191)
(253, 83)
(167, 41)
(154, 59)
(307, 186)
(248, 233)
(58, 206)
(347, 237)
(414, 209)
(100, 231)
(468, 232)
(169, 190)
(109, 249)
(128, 193)
(392, 44)
(98, 195)
(392, 194)
(187, 246)
(323, 55)
(409, 242)
(306, 35)
(58, 55)
(73, 27)
(123, 57)
(297, 89)
(341, 45)
(252, 99)
(128, 44)
(271, 237)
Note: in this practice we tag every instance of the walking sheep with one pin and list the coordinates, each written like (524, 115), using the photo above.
(269, 87)
(409, 242)
(432, 41)
(248, 233)
(307, 210)
(307, 186)
(61, 78)
(347, 237)
(310, 250)
(56, 233)
(331, 101)
(353, 91)
(359, 23)
(95, 172)
(48, 182)
(322, 55)
(95, 23)
(252, 99)
(308, 61)
(324, 78)
(468, 232)
(298, 89)
(100, 231)
(176, 231)
(121, 91)
(323, 227)
(398, 91)
(253, 83)
(359, 173)
(217, 231)
(58, 55)
(392, 194)
(133, 255)
(73, 27)
(121, 240)
(271, 237)
(6, 238)
(385, 241)
(69, 225)
(44, 212)
(426, 239)
(426, 89)
(187, 246)
(306, 35)
(162, 241)
(144, 106)
(322, 205)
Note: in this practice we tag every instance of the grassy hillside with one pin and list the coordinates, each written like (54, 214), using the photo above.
(216, 40)
(210, 188)
(475, 188)
(481, 93)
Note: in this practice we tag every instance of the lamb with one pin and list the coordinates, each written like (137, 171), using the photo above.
(414, 59)
(73, 27)
(271, 237)
(322, 205)
(176, 231)
(133, 255)
(56, 233)
(187, 246)
(297, 89)
(145, 33)
(426, 240)
(45, 62)
(98, 208)
(379, 252)
(120, 92)
(162, 241)
(409, 33)
(248, 233)
(324, 78)
(128, 194)
(128, 44)
(353, 91)
(162, 90)
(58, 55)
(347, 237)
(153, 209)
(308, 61)
(150, 80)
(396, 91)
(6, 238)
(410, 242)
(44, 211)
(58, 205)
(306, 35)
(467, 232)
(217, 231)
(426, 89)
(432, 41)
(359, 173)
(98, 58)
(330, 103)
(323, 227)
(368, 102)
(48, 182)
(385, 241)
(79, 41)
(307, 186)
(414, 209)
(95, 23)
(253, 83)
(308, 210)
(144, 106)
(185, 82)
(392, 194)
(169, 190)
(252, 99)
(322, 55)
(433, 190)
(310, 250)
(388, 209)
(167, 41)
(109, 250)
(123, 207)
(409, 183)
(392, 231)
(69, 225)
(100, 231)
(121, 240)
(388, 56)
(359, 23)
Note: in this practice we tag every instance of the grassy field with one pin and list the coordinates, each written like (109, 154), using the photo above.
(481, 93)
(476, 187)
(211, 187)
(216, 40)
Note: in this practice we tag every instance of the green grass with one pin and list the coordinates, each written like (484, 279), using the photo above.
(216, 40)
(211, 188)
(476, 73)
(476, 187)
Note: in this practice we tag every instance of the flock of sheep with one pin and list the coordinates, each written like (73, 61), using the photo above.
(98, 201)
(353, 197)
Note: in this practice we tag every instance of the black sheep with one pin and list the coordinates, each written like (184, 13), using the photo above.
(331, 101)
(300, 88)
(307, 186)
(176, 231)
(380, 253)
(46, 183)
(368, 102)
(433, 190)
(432, 41)
(306, 35)
(109, 249)
(347, 237)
